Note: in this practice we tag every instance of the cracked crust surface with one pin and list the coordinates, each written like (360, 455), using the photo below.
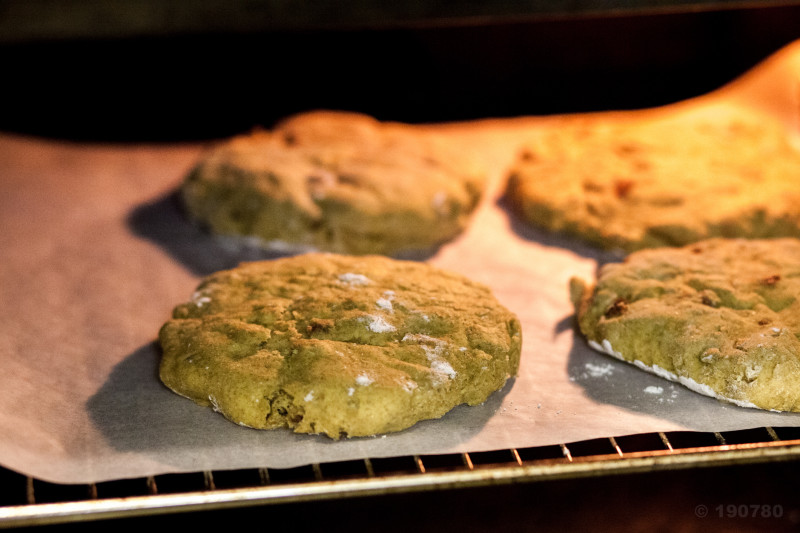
(633, 182)
(336, 182)
(720, 316)
(339, 345)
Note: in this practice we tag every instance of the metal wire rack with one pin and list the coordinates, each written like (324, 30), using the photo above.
(26, 501)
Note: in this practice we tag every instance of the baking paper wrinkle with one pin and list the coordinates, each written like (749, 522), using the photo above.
(80, 400)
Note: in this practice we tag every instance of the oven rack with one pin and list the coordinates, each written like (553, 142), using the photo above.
(27, 501)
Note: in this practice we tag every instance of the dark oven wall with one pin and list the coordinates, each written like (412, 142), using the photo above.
(199, 85)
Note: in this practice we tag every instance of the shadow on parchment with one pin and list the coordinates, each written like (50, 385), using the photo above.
(135, 412)
(164, 222)
(556, 240)
(607, 380)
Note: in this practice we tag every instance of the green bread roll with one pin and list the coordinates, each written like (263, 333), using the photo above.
(344, 346)
(720, 316)
(336, 182)
(634, 181)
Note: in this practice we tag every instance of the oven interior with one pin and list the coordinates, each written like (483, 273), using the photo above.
(165, 81)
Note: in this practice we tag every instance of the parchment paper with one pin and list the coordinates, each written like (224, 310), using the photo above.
(95, 253)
